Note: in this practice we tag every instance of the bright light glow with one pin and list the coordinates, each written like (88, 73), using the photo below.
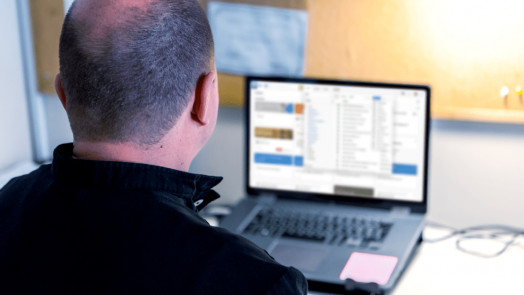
(473, 30)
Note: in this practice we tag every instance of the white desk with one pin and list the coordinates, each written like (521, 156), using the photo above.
(440, 268)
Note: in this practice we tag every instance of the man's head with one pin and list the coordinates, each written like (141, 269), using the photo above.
(129, 68)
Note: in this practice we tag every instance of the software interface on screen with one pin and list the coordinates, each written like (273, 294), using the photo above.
(337, 139)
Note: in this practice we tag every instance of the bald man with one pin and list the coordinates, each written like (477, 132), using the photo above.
(116, 211)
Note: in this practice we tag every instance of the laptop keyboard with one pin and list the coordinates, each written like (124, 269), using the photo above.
(318, 227)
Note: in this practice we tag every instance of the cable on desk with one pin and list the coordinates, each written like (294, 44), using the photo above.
(507, 234)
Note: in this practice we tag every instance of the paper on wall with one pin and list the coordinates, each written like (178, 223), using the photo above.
(258, 40)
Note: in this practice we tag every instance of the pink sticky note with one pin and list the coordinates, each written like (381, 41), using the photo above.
(367, 268)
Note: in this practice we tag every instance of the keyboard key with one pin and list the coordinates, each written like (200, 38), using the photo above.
(303, 237)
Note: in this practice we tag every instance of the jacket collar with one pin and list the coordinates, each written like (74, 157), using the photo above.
(194, 189)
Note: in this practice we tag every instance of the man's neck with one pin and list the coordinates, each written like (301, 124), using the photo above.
(157, 154)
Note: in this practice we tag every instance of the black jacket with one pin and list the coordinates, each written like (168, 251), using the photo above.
(78, 226)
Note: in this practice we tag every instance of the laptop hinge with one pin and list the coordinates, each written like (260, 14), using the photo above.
(400, 211)
(267, 198)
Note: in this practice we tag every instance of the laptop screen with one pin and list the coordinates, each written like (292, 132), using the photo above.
(349, 139)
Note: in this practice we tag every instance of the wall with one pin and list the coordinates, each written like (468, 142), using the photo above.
(15, 146)
(476, 173)
(476, 170)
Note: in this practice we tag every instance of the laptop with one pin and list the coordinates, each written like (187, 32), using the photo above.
(336, 177)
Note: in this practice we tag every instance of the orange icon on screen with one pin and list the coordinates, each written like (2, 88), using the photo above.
(299, 108)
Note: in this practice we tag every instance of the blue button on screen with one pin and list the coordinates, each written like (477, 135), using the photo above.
(298, 161)
(405, 169)
(273, 159)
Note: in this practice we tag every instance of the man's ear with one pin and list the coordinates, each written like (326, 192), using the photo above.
(59, 90)
(203, 99)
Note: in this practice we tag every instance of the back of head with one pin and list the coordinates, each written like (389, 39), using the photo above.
(129, 67)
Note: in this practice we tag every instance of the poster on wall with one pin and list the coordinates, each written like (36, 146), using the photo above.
(258, 40)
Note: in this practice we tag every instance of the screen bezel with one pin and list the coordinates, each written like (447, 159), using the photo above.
(415, 206)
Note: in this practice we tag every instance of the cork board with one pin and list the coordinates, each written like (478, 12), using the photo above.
(47, 17)
(465, 52)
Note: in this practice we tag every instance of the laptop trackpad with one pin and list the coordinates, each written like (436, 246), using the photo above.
(304, 257)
